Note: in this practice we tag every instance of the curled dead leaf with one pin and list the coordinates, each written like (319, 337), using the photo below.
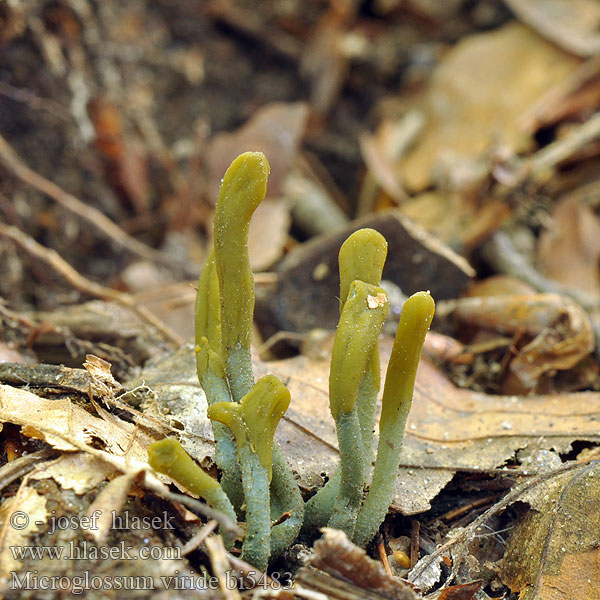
(559, 332)
(29, 508)
(103, 383)
(67, 426)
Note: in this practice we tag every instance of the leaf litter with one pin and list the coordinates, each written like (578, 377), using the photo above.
(468, 160)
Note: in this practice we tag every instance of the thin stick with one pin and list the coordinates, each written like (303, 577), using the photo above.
(414, 542)
(198, 539)
(91, 215)
(383, 556)
(545, 160)
(79, 282)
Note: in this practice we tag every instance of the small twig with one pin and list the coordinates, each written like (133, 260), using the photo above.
(545, 160)
(220, 566)
(79, 282)
(34, 102)
(502, 254)
(197, 540)
(465, 508)
(415, 536)
(91, 215)
(383, 556)
(245, 569)
(19, 467)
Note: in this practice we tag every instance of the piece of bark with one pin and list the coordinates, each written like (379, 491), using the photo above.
(101, 325)
(43, 376)
(305, 294)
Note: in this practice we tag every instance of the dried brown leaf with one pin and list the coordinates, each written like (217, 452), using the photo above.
(477, 95)
(67, 426)
(107, 503)
(26, 508)
(323, 61)
(458, 219)
(569, 246)
(558, 329)
(577, 96)
(268, 233)
(465, 591)
(449, 428)
(76, 471)
(124, 158)
(382, 150)
(571, 24)
(101, 323)
(275, 129)
(103, 383)
(500, 285)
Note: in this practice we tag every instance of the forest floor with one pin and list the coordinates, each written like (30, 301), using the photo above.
(467, 132)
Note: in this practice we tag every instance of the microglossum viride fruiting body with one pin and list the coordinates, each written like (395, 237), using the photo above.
(257, 485)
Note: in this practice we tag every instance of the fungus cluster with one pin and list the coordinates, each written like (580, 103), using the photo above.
(257, 484)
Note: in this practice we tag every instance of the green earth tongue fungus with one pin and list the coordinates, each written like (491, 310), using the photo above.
(253, 422)
(415, 320)
(168, 457)
(242, 190)
(263, 480)
(362, 257)
(360, 323)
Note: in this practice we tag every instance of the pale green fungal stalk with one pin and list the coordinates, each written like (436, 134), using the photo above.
(415, 320)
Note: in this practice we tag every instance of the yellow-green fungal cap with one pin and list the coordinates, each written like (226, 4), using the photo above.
(263, 408)
(207, 356)
(168, 457)
(208, 321)
(415, 320)
(207, 309)
(230, 414)
(361, 321)
(242, 190)
(255, 419)
(361, 257)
